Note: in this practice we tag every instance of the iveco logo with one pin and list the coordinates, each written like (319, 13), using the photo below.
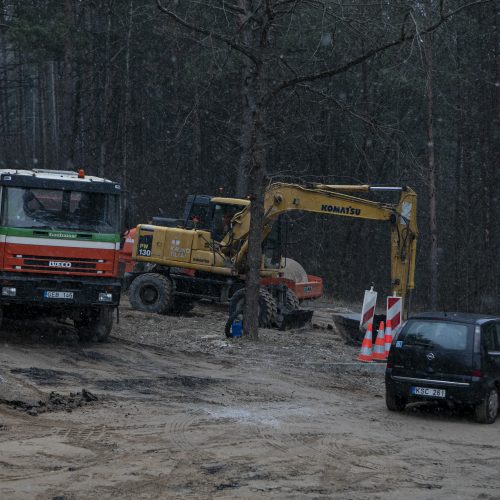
(430, 356)
(54, 263)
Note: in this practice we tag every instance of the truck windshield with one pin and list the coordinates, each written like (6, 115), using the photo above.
(55, 209)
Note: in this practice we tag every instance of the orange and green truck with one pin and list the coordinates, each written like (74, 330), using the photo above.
(59, 247)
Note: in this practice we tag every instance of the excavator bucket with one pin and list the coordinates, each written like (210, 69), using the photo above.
(278, 307)
(289, 314)
(295, 318)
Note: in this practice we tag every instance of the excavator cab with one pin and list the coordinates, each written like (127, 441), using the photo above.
(222, 211)
(197, 212)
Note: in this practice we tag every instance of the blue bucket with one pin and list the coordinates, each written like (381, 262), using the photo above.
(236, 328)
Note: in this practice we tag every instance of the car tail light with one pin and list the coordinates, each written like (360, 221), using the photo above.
(390, 364)
(476, 373)
(477, 340)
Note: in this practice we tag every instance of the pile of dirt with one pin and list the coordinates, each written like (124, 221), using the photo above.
(54, 402)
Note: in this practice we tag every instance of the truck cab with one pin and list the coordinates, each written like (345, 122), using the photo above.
(59, 244)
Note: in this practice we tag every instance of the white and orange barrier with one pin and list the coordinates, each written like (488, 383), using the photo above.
(379, 347)
(368, 310)
(388, 337)
(395, 312)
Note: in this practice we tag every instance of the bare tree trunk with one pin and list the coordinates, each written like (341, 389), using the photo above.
(42, 102)
(34, 158)
(79, 151)
(5, 120)
(197, 144)
(245, 133)
(66, 124)
(459, 244)
(126, 104)
(53, 113)
(253, 130)
(493, 174)
(257, 176)
(20, 131)
(248, 102)
(432, 179)
(105, 104)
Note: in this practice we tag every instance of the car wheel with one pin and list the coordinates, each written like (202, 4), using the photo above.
(486, 411)
(393, 402)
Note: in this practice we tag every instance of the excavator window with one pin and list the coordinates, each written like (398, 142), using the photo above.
(272, 247)
(197, 212)
(198, 218)
(221, 220)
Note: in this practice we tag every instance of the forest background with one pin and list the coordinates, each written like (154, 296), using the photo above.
(158, 96)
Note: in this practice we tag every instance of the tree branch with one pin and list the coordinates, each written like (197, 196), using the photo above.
(403, 38)
(203, 31)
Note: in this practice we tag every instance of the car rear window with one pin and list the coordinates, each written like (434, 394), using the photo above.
(437, 334)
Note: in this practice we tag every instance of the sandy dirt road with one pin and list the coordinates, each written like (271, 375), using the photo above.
(183, 413)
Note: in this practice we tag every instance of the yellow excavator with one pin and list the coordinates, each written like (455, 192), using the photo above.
(210, 262)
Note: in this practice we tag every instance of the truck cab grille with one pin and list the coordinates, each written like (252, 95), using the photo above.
(58, 264)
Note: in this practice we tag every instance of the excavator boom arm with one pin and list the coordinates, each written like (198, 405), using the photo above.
(333, 200)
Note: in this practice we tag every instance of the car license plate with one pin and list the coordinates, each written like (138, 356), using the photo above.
(48, 294)
(428, 391)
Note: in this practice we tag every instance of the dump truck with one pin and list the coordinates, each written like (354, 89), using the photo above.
(60, 240)
(187, 260)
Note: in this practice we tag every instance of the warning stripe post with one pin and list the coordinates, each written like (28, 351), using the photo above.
(368, 309)
(395, 312)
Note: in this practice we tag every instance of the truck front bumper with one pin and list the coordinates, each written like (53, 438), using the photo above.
(62, 291)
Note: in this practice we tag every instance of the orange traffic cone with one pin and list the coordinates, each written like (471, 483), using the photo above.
(365, 354)
(388, 337)
(379, 347)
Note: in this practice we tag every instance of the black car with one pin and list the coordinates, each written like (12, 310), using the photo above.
(448, 357)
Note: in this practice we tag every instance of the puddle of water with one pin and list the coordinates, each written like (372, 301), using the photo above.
(272, 417)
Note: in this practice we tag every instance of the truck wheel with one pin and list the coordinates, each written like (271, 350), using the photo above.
(151, 292)
(486, 411)
(267, 306)
(95, 324)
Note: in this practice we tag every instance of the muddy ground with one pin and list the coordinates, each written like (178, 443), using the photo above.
(171, 409)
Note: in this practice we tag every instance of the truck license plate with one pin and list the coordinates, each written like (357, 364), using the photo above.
(428, 391)
(57, 295)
